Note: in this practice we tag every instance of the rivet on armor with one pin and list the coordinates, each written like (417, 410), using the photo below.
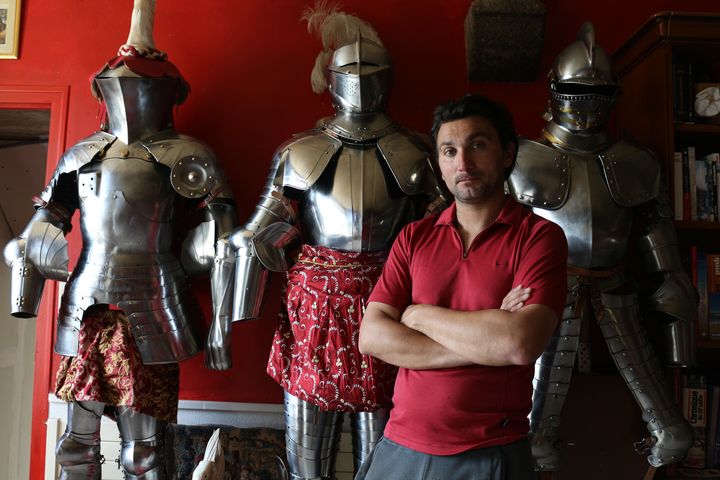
(124, 152)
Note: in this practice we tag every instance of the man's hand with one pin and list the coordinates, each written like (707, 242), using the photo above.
(515, 299)
(217, 347)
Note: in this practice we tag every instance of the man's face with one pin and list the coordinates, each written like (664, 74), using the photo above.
(472, 161)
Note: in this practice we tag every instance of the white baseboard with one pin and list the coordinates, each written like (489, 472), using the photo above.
(190, 412)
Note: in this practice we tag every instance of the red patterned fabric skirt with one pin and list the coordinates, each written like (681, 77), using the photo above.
(109, 369)
(315, 353)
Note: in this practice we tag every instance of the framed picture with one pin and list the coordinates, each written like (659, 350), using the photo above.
(9, 28)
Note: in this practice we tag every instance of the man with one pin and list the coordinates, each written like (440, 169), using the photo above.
(464, 387)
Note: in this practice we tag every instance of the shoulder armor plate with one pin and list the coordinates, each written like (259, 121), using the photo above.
(195, 171)
(631, 172)
(406, 159)
(304, 158)
(78, 155)
(541, 176)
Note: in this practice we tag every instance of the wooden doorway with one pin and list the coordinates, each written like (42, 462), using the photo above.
(53, 99)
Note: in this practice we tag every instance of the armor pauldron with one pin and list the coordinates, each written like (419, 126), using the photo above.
(541, 177)
(632, 174)
(78, 155)
(303, 159)
(406, 160)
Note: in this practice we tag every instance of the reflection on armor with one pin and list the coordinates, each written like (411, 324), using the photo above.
(601, 192)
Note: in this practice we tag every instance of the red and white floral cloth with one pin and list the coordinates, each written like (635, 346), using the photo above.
(315, 353)
(109, 369)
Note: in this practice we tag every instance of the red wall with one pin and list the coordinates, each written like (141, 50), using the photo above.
(249, 63)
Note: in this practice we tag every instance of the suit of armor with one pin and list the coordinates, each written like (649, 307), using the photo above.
(133, 184)
(350, 185)
(607, 197)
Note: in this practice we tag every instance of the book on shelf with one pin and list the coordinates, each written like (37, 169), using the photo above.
(713, 442)
(713, 296)
(701, 284)
(696, 185)
(694, 407)
(692, 173)
(678, 186)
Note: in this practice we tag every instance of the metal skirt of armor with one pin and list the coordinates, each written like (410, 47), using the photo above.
(108, 369)
(315, 354)
(312, 438)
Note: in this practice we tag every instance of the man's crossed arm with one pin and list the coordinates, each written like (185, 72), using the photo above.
(427, 336)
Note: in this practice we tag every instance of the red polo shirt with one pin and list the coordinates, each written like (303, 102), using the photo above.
(448, 411)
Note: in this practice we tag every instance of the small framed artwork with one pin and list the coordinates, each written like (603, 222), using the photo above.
(9, 28)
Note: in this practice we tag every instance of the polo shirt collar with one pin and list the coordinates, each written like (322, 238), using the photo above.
(511, 213)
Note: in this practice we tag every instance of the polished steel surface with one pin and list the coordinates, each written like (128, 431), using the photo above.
(359, 76)
(367, 429)
(78, 450)
(142, 450)
(583, 89)
(634, 357)
(312, 438)
(138, 107)
(596, 227)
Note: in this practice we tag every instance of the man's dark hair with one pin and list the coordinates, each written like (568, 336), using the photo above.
(473, 104)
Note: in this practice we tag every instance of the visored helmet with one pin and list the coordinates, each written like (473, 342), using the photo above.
(583, 89)
(354, 65)
(359, 76)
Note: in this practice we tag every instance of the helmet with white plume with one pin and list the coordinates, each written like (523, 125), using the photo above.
(354, 66)
(139, 86)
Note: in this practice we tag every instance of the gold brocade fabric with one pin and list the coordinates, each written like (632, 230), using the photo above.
(109, 369)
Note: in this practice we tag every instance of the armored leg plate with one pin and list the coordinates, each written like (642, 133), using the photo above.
(78, 450)
(367, 429)
(553, 371)
(670, 434)
(312, 437)
(142, 450)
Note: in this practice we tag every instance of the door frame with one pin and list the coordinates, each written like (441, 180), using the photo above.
(53, 98)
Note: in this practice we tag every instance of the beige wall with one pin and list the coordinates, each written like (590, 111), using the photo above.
(21, 176)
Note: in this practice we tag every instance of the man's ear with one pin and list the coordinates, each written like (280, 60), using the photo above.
(509, 154)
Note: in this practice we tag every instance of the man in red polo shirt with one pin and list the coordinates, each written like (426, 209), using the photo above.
(464, 388)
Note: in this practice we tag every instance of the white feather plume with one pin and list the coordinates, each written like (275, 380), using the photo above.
(141, 28)
(335, 29)
(212, 466)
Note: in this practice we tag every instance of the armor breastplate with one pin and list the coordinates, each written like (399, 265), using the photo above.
(589, 196)
(356, 204)
(127, 205)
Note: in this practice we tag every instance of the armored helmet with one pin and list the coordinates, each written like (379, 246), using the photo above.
(583, 89)
(354, 66)
(139, 86)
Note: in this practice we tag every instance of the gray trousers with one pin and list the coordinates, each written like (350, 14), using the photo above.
(390, 461)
